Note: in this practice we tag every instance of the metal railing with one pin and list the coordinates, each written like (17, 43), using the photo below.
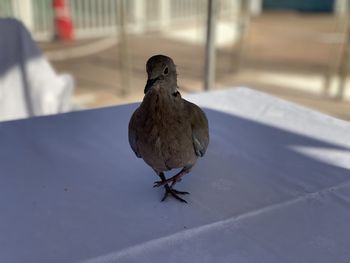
(96, 18)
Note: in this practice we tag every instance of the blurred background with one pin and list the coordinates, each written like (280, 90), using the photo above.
(294, 49)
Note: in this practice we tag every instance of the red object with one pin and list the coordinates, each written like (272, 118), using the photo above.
(63, 22)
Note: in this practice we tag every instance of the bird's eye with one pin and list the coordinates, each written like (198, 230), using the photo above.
(166, 71)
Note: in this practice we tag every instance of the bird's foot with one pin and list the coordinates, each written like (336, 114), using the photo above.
(171, 180)
(174, 193)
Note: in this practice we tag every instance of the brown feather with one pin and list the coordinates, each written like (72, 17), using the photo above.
(166, 130)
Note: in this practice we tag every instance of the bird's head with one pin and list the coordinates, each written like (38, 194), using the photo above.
(161, 69)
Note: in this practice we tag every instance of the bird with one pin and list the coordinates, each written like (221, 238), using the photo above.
(167, 131)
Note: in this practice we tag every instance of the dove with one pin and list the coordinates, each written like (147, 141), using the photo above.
(167, 131)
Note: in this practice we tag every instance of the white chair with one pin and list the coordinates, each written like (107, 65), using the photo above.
(29, 86)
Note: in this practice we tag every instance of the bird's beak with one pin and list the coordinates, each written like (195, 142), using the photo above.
(149, 84)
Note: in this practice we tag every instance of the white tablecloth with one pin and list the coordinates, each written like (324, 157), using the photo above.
(274, 186)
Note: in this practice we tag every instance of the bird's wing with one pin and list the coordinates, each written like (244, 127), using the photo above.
(200, 130)
(132, 134)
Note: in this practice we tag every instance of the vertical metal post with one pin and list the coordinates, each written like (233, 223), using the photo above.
(255, 7)
(210, 51)
(340, 7)
(199, 20)
(140, 15)
(333, 58)
(242, 26)
(123, 49)
(339, 56)
(24, 11)
(344, 63)
(165, 14)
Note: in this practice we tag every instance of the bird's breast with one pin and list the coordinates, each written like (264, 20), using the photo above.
(165, 136)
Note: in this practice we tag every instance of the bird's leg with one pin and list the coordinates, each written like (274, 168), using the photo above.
(173, 180)
(169, 190)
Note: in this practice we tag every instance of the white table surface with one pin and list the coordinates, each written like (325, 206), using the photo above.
(274, 186)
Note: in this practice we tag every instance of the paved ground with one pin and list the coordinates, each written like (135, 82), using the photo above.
(278, 47)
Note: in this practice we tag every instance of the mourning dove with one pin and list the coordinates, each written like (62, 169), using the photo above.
(166, 131)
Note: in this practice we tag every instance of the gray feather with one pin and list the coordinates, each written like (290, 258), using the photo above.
(132, 134)
(200, 130)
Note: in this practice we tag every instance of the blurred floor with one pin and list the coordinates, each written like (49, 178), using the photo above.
(286, 54)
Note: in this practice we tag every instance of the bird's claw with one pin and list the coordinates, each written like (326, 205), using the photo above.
(180, 192)
(171, 180)
(157, 183)
(174, 193)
